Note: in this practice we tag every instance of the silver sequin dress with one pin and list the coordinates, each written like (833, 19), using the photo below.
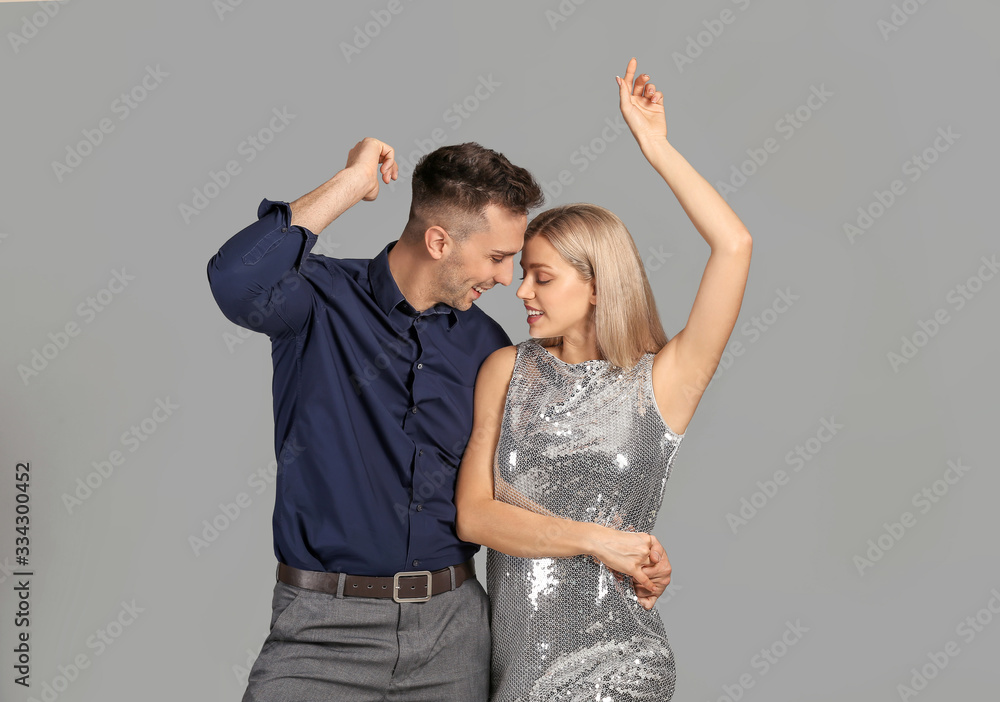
(585, 442)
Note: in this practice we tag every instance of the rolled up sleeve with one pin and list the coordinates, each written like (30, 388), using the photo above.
(256, 276)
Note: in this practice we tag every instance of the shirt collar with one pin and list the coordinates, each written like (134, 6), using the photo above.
(388, 295)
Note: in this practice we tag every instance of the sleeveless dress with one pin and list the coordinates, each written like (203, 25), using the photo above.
(585, 442)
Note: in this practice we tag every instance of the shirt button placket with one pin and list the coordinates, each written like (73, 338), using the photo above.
(418, 323)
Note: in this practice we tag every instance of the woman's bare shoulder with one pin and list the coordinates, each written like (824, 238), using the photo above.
(499, 366)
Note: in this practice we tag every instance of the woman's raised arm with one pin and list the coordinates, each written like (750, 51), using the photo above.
(685, 365)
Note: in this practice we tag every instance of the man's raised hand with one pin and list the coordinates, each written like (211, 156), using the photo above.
(372, 158)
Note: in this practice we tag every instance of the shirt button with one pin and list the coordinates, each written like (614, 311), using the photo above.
(420, 365)
(416, 562)
(420, 452)
(420, 508)
(284, 229)
(414, 410)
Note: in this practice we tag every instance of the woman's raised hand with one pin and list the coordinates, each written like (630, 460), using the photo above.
(642, 106)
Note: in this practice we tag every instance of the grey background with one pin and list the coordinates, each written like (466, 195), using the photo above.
(205, 616)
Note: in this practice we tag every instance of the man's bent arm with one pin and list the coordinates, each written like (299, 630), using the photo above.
(317, 209)
(255, 276)
(369, 160)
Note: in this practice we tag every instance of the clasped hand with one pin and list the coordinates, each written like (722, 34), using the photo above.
(640, 556)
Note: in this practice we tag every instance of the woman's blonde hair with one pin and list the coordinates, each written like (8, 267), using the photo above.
(597, 244)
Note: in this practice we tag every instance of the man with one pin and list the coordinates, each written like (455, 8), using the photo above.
(374, 367)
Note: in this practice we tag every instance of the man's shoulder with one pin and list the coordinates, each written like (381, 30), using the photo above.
(475, 321)
(354, 269)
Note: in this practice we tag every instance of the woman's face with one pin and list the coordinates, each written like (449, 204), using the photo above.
(553, 287)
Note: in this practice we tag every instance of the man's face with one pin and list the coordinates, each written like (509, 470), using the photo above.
(484, 259)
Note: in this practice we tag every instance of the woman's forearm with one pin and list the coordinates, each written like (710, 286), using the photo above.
(520, 532)
(705, 207)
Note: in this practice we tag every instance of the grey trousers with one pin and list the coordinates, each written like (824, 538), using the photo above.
(325, 647)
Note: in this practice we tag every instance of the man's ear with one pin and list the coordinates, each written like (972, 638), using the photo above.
(437, 242)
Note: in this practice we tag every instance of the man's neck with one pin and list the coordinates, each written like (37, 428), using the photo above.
(406, 269)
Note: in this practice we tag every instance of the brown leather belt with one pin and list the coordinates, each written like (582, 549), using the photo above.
(404, 586)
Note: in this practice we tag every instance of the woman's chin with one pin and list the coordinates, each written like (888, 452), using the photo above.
(540, 334)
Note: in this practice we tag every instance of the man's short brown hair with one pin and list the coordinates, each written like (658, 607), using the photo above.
(453, 185)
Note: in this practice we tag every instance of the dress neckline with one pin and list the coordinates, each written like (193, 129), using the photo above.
(597, 361)
(570, 365)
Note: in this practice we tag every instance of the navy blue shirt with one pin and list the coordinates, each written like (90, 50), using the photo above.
(372, 402)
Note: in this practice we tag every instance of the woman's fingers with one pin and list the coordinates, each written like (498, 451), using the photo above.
(630, 72)
(639, 576)
(640, 85)
(647, 602)
(641, 579)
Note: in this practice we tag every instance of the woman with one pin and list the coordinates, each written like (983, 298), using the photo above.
(576, 429)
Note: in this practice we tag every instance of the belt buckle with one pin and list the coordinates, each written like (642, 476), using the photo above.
(404, 573)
